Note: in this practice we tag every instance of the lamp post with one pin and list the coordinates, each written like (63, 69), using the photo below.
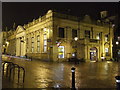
(117, 82)
(117, 43)
(73, 78)
(76, 38)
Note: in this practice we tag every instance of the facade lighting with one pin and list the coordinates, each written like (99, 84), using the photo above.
(113, 25)
(7, 42)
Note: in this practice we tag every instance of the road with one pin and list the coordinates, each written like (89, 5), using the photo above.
(43, 74)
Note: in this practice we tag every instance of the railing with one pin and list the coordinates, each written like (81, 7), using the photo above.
(10, 69)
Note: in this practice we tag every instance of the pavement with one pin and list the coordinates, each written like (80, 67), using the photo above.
(43, 74)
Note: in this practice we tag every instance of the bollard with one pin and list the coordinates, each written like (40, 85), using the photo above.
(118, 82)
(73, 78)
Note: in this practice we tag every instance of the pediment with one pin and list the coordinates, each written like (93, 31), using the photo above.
(20, 29)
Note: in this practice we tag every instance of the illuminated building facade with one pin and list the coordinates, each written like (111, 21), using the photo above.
(58, 37)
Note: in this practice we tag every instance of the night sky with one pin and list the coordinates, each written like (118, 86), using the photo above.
(21, 13)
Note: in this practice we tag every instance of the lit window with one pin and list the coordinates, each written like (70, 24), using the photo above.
(38, 43)
(61, 52)
(98, 36)
(45, 42)
(32, 45)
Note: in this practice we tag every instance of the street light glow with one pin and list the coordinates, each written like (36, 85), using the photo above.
(76, 38)
(117, 42)
(3, 45)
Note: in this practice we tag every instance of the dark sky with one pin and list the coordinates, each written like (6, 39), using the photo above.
(24, 12)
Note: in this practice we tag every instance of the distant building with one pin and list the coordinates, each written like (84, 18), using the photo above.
(57, 37)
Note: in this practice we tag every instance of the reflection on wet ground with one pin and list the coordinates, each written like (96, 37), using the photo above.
(41, 74)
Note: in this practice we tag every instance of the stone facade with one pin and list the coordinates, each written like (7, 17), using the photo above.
(52, 37)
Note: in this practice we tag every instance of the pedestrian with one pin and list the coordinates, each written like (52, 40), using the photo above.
(25, 56)
(102, 58)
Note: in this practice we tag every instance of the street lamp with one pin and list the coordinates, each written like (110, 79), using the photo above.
(76, 38)
(117, 42)
(117, 50)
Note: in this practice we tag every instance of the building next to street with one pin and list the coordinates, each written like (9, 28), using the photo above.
(57, 37)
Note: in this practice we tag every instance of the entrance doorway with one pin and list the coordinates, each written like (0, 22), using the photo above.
(93, 53)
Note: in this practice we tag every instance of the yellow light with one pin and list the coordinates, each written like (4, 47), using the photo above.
(45, 29)
(3, 45)
(92, 61)
(7, 42)
(98, 37)
(109, 62)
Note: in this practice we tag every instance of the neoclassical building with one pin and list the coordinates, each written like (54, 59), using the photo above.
(56, 37)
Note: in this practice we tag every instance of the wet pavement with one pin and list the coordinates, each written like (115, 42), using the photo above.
(41, 74)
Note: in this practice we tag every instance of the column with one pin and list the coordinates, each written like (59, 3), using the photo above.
(103, 42)
(17, 47)
(69, 38)
(24, 45)
(54, 38)
(35, 42)
(111, 36)
(50, 43)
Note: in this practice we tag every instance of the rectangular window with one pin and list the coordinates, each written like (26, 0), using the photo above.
(38, 43)
(61, 52)
(61, 32)
(32, 44)
(87, 33)
(98, 36)
(45, 42)
(74, 33)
